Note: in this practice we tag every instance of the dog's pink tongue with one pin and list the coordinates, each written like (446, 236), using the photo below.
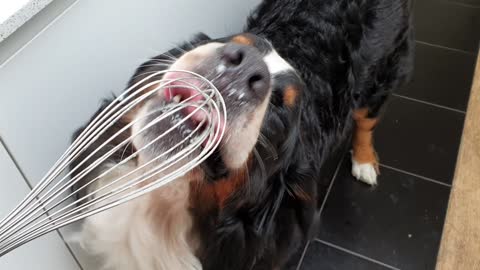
(182, 85)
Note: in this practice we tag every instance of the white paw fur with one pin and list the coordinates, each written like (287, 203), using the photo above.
(364, 172)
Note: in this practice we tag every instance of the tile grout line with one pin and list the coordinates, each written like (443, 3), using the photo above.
(350, 251)
(300, 261)
(334, 177)
(445, 47)
(416, 175)
(356, 254)
(337, 169)
(429, 103)
(462, 4)
(331, 183)
(15, 162)
(24, 177)
(11, 57)
(70, 250)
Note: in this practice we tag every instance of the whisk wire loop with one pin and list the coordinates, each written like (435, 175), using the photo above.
(51, 204)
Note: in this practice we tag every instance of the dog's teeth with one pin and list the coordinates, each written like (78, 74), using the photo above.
(176, 99)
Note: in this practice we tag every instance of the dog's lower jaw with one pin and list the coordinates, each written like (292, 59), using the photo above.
(152, 232)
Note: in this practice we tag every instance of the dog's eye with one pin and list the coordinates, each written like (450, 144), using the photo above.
(285, 96)
(277, 97)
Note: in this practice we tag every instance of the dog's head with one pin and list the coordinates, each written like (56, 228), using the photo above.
(263, 97)
(262, 93)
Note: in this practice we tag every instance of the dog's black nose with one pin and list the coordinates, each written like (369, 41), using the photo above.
(246, 62)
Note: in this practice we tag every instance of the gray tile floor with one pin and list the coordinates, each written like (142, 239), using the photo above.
(398, 224)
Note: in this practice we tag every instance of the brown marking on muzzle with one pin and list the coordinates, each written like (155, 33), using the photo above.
(241, 39)
(290, 96)
(217, 193)
(363, 151)
(224, 188)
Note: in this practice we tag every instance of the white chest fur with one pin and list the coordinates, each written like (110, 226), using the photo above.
(152, 232)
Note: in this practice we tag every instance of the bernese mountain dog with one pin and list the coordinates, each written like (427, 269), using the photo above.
(312, 75)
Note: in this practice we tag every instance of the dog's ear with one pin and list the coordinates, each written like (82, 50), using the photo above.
(200, 37)
(164, 60)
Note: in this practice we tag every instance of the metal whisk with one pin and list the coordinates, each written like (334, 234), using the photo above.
(50, 204)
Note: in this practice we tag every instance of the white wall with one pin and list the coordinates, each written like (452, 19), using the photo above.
(55, 83)
(47, 252)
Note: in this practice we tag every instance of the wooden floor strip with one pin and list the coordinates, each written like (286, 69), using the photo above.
(460, 246)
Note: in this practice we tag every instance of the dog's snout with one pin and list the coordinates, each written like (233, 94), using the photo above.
(245, 64)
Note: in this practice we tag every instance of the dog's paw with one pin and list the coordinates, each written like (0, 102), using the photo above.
(365, 172)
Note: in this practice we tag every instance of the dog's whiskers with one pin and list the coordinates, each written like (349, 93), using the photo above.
(165, 61)
(261, 163)
(263, 140)
(144, 74)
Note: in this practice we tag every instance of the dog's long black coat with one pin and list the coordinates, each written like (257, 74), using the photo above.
(350, 54)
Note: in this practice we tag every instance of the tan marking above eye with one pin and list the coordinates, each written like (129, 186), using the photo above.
(240, 39)
(290, 96)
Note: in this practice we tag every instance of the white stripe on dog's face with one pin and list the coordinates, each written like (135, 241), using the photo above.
(194, 57)
(275, 63)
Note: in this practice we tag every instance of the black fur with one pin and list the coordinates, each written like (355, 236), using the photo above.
(348, 54)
